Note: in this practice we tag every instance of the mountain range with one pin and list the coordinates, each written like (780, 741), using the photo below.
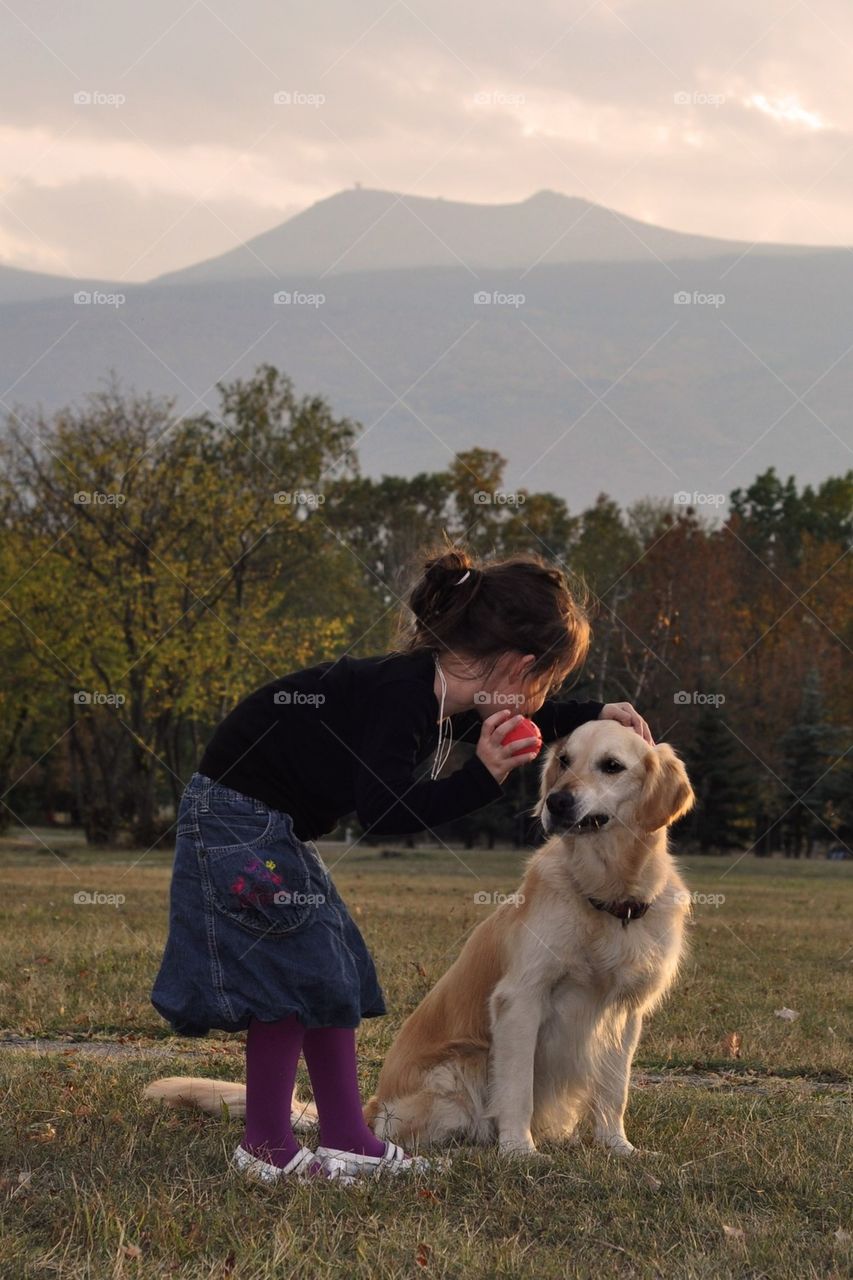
(594, 351)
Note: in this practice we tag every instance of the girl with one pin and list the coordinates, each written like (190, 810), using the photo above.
(259, 938)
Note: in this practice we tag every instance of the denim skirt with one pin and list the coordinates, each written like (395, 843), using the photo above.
(256, 925)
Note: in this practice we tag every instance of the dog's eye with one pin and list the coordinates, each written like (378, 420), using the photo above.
(611, 766)
(564, 762)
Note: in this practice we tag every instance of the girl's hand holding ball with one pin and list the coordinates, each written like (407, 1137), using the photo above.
(523, 732)
(505, 743)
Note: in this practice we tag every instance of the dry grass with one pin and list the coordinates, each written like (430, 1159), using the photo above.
(749, 1182)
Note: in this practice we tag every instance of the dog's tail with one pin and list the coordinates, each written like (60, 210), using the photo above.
(214, 1096)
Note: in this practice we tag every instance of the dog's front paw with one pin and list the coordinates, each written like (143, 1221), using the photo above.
(518, 1145)
(618, 1145)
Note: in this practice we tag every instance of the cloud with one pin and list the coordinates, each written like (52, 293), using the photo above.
(787, 110)
(726, 120)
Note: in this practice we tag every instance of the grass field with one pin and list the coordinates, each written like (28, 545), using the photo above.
(751, 1176)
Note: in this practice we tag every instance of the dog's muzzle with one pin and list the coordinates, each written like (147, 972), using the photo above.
(561, 808)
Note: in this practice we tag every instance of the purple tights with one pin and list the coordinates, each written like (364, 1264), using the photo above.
(272, 1056)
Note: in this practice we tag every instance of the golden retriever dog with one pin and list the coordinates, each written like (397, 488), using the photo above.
(532, 1030)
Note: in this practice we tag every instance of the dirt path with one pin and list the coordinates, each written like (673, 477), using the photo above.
(719, 1082)
(104, 1048)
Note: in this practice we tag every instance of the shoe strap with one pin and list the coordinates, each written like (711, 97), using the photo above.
(303, 1157)
(393, 1154)
(336, 1168)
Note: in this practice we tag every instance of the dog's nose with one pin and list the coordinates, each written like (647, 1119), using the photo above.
(560, 803)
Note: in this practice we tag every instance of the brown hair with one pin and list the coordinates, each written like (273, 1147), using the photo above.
(484, 610)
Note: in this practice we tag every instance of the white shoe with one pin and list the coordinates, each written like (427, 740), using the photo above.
(299, 1167)
(393, 1160)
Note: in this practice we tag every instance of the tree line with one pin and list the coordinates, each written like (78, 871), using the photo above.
(155, 567)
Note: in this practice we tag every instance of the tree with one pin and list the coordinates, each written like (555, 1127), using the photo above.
(807, 764)
(722, 780)
(164, 572)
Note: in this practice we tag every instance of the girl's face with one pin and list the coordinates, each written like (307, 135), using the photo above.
(536, 689)
(525, 693)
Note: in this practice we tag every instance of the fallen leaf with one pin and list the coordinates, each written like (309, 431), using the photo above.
(422, 1255)
(131, 1250)
(734, 1234)
(426, 1194)
(732, 1043)
(787, 1015)
(42, 1133)
(653, 1183)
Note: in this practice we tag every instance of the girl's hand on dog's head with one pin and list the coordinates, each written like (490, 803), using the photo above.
(498, 759)
(625, 714)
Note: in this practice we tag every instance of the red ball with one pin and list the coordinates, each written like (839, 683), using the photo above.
(524, 729)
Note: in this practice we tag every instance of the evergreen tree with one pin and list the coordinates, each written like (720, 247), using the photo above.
(808, 758)
(722, 781)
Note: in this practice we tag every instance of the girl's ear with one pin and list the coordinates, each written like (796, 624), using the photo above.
(667, 794)
(521, 665)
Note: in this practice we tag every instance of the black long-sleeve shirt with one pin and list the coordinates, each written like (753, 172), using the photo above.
(346, 735)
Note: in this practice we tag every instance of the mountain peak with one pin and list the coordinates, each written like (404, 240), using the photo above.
(370, 229)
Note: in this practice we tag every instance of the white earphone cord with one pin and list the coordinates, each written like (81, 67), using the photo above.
(444, 745)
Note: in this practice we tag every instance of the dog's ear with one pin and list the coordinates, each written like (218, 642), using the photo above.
(667, 794)
(550, 769)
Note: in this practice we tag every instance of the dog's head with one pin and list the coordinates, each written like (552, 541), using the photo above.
(605, 773)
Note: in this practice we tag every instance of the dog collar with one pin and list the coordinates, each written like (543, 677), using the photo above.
(625, 911)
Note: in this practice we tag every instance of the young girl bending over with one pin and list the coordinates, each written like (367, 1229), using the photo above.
(259, 937)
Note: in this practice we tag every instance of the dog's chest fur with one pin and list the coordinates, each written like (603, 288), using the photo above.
(595, 972)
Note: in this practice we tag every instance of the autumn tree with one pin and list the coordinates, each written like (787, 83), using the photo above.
(165, 565)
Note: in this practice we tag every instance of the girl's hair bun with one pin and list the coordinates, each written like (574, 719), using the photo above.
(434, 594)
(521, 603)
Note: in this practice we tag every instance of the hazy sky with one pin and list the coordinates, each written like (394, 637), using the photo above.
(732, 119)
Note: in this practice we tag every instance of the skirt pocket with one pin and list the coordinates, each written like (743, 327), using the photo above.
(262, 883)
